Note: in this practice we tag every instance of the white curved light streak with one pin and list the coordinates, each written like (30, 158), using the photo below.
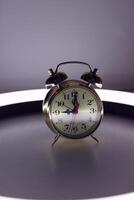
(16, 97)
(128, 196)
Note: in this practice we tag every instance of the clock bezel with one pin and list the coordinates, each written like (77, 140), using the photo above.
(51, 95)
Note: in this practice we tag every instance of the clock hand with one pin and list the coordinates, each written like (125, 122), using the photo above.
(67, 111)
(75, 95)
(72, 123)
(67, 107)
(75, 103)
(76, 108)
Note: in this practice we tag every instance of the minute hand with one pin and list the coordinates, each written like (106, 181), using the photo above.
(76, 108)
(75, 104)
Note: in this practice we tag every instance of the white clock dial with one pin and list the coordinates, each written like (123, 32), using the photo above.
(75, 111)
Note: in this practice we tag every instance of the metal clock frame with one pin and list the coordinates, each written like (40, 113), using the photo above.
(51, 95)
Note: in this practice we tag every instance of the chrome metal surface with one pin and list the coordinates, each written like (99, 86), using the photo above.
(66, 85)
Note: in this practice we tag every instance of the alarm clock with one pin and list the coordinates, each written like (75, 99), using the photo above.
(72, 108)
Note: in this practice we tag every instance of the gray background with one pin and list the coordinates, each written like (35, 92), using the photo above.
(38, 34)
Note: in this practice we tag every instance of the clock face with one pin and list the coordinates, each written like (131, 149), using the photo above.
(75, 111)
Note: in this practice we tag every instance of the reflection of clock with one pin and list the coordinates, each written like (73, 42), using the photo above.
(72, 108)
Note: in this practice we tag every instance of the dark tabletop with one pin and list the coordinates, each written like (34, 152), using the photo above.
(30, 168)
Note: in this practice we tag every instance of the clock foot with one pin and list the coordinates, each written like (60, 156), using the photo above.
(94, 138)
(55, 139)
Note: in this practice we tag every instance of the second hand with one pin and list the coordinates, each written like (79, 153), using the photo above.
(72, 123)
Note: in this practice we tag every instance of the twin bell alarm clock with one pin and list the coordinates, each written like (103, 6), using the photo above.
(72, 108)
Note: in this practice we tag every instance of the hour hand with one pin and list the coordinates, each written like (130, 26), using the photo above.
(67, 111)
